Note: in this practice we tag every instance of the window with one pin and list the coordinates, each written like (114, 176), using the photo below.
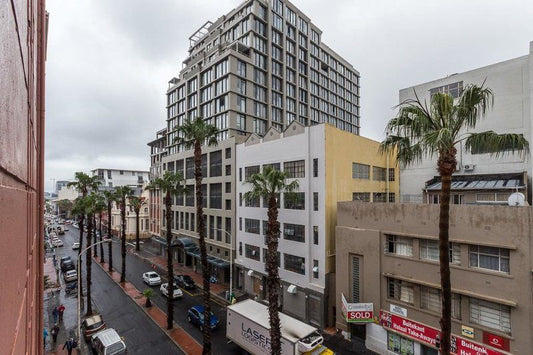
(361, 196)
(379, 174)
(251, 225)
(454, 90)
(212, 227)
(315, 201)
(277, 22)
(489, 258)
(400, 345)
(315, 235)
(315, 167)
(228, 230)
(391, 174)
(392, 197)
(429, 250)
(205, 196)
(294, 169)
(430, 299)
(241, 122)
(189, 196)
(241, 68)
(265, 253)
(241, 88)
(241, 103)
(249, 171)
(228, 205)
(215, 160)
(240, 248)
(228, 153)
(489, 314)
(399, 245)
(379, 197)
(252, 202)
(228, 170)
(294, 200)
(360, 171)
(315, 269)
(294, 263)
(252, 252)
(401, 290)
(294, 232)
(215, 196)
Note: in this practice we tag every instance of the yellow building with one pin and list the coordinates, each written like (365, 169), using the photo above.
(330, 166)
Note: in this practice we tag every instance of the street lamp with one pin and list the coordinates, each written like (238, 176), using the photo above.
(80, 285)
(230, 261)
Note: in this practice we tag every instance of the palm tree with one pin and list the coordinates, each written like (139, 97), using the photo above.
(100, 207)
(122, 192)
(91, 201)
(171, 184)
(194, 133)
(136, 203)
(269, 185)
(419, 130)
(79, 210)
(109, 197)
(65, 206)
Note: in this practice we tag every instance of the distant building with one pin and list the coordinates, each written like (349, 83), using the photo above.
(157, 152)
(511, 82)
(23, 38)
(116, 177)
(144, 230)
(388, 256)
(330, 165)
(60, 184)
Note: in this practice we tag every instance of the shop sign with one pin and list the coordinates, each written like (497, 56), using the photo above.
(398, 310)
(496, 341)
(467, 331)
(357, 312)
(427, 335)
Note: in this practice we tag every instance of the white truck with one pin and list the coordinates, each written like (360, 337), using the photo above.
(248, 326)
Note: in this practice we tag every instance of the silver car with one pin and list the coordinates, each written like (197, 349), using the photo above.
(71, 275)
(152, 278)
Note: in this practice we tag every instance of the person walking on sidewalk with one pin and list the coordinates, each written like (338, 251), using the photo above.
(61, 310)
(55, 332)
(69, 344)
(55, 313)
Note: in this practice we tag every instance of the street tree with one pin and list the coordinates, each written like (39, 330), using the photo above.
(193, 134)
(100, 207)
(136, 203)
(78, 210)
(65, 207)
(269, 185)
(170, 184)
(90, 210)
(122, 193)
(109, 198)
(420, 131)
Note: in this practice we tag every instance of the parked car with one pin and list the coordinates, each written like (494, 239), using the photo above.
(64, 258)
(92, 325)
(57, 242)
(185, 281)
(67, 265)
(71, 275)
(177, 291)
(108, 342)
(71, 288)
(196, 317)
(75, 246)
(152, 278)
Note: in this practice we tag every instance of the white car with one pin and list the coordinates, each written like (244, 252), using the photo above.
(177, 291)
(75, 246)
(57, 242)
(152, 278)
(71, 275)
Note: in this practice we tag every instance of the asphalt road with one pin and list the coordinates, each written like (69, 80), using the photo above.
(142, 335)
(135, 267)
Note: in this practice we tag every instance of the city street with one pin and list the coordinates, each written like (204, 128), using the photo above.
(141, 334)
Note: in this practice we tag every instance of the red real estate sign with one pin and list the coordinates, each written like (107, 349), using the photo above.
(427, 335)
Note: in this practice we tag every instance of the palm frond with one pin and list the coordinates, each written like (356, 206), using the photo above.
(407, 153)
(497, 144)
(472, 105)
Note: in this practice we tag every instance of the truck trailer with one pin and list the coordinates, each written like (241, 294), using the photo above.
(248, 326)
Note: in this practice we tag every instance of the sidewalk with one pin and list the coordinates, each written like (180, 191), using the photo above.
(179, 336)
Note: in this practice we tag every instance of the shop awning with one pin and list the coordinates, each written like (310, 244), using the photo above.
(213, 260)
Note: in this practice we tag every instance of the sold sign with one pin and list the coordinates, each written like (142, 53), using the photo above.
(357, 312)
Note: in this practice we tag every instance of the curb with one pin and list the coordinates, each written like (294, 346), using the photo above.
(145, 312)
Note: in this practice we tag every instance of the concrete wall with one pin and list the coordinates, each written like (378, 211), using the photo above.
(361, 232)
(22, 69)
(512, 113)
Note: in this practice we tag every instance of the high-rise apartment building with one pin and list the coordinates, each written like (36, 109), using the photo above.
(157, 152)
(23, 33)
(261, 65)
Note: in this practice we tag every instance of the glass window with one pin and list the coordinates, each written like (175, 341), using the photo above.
(399, 245)
(294, 232)
(250, 170)
(489, 314)
(251, 225)
(315, 201)
(430, 299)
(379, 197)
(252, 252)
(294, 201)
(401, 290)
(294, 169)
(294, 263)
(361, 196)
(489, 258)
(360, 171)
(400, 345)
(429, 250)
(379, 174)
(315, 235)
(241, 68)
(241, 122)
(215, 196)
(215, 160)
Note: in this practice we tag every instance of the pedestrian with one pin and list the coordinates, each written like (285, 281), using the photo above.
(69, 344)
(55, 260)
(45, 335)
(55, 332)
(61, 310)
(55, 313)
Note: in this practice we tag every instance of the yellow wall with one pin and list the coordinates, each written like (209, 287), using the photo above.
(343, 149)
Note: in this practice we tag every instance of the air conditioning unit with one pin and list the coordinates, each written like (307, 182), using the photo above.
(292, 289)
(469, 167)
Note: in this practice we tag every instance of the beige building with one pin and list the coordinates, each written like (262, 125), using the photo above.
(144, 224)
(387, 255)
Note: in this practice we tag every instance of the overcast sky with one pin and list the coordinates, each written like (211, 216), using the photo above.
(109, 62)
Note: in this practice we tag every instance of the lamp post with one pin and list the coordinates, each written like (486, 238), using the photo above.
(80, 285)
(230, 261)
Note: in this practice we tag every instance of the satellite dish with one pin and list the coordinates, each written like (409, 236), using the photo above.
(516, 199)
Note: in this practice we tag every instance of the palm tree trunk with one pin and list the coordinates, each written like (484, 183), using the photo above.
(101, 237)
(203, 249)
(88, 260)
(109, 249)
(273, 276)
(95, 247)
(80, 224)
(446, 165)
(170, 271)
(123, 237)
(137, 244)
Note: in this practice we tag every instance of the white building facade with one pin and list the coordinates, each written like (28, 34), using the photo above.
(511, 82)
(116, 177)
(302, 224)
